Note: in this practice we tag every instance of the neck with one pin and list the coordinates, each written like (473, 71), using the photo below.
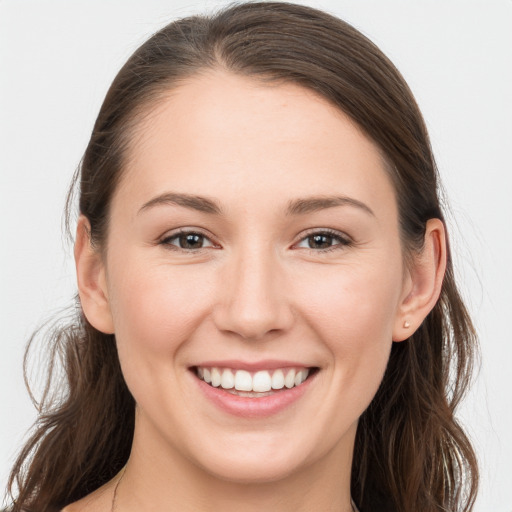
(157, 479)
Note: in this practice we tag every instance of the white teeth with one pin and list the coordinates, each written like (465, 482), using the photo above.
(216, 377)
(262, 381)
(289, 380)
(243, 381)
(278, 380)
(301, 377)
(228, 379)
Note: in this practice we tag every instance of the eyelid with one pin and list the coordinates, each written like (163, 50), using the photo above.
(344, 239)
(170, 235)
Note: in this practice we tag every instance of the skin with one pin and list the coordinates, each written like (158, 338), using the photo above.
(256, 290)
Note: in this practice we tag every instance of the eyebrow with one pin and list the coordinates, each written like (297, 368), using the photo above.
(299, 206)
(315, 203)
(200, 203)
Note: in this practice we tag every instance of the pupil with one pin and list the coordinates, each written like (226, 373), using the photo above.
(191, 241)
(320, 241)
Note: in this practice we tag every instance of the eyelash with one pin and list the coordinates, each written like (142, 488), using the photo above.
(342, 240)
(166, 241)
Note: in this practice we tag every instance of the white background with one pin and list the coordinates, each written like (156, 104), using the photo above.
(57, 59)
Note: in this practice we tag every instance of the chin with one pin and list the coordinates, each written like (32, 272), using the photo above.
(252, 459)
(247, 471)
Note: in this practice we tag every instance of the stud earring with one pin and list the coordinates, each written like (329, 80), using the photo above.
(407, 325)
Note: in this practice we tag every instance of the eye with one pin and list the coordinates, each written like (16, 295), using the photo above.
(187, 240)
(324, 240)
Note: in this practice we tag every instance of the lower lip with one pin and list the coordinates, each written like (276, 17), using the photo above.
(257, 407)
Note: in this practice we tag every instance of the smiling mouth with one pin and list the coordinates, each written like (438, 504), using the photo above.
(254, 384)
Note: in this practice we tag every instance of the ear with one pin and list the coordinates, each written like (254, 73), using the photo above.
(91, 277)
(422, 285)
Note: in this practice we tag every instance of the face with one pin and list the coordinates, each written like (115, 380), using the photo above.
(253, 242)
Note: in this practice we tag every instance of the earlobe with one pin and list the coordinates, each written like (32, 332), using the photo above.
(91, 278)
(424, 282)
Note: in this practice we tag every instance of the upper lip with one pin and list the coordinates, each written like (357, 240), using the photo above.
(252, 366)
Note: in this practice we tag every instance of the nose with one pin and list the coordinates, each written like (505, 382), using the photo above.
(252, 302)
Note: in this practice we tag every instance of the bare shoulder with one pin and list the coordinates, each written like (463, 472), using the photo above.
(98, 501)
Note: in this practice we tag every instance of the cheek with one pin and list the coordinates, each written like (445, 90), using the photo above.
(353, 310)
(155, 308)
(353, 298)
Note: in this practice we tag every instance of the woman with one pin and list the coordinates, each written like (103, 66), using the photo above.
(268, 315)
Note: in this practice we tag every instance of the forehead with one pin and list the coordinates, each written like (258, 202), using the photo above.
(232, 137)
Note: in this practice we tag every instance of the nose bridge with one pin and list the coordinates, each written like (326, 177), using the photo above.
(253, 301)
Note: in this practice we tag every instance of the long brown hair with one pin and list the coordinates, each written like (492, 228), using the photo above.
(410, 452)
